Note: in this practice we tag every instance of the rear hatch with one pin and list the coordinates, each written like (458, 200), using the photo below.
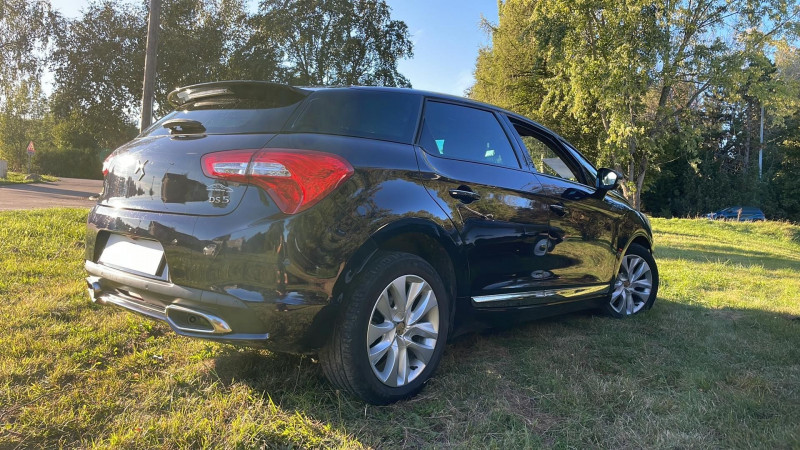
(161, 169)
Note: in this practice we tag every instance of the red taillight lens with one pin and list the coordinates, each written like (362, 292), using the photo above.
(107, 164)
(295, 179)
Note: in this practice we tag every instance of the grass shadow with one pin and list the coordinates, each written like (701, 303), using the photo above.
(543, 381)
(723, 253)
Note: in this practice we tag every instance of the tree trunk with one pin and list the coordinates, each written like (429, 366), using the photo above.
(747, 138)
(637, 203)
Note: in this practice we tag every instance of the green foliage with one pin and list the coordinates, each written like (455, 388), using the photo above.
(25, 30)
(722, 169)
(68, 162)
(196, 43)
(97, 59)
(329, 42)
(623, 79)
(21, 120)
(97, 65)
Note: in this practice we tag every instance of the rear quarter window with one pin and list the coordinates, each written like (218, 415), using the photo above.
(465, 133)
(388, 116)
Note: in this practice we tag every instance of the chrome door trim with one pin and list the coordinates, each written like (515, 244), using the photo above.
(524, 298)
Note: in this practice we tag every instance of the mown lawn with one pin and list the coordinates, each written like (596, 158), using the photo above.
(715, 363)
(19, 178)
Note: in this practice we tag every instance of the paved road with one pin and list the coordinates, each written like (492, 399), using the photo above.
(68, 192)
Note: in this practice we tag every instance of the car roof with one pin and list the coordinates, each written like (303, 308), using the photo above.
(429, 94)
(174, 95)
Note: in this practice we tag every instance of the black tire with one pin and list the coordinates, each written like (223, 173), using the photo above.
(345, 359)
(629, 297)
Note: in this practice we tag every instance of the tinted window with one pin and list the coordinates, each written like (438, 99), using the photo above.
(546, 159)
(588, 169)
(388, 116)
(465, 133)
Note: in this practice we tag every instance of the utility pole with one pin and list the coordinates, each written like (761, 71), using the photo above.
(761, 144)
(150, 64)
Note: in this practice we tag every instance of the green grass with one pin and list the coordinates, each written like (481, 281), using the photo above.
(19, 178)
(715, 363)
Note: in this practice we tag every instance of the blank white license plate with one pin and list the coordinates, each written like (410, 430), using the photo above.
(139, 255)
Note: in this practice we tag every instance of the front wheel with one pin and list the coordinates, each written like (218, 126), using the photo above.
(392, 330)
(636, 285)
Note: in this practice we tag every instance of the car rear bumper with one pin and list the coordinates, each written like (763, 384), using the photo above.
(235, 276)
(184, 309)
(204, 314)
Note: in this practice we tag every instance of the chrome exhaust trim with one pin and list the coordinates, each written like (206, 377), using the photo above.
(94, 289)
(191, 321)
(180, 318)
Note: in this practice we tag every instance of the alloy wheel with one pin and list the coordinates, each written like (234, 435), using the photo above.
(633, 286)
(403, 330)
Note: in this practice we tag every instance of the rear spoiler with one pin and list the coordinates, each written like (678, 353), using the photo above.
(224, 92)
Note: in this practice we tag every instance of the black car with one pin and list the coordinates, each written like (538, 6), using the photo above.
(738, 213)
(366, 225)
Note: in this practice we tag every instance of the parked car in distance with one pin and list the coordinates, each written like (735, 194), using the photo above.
(738, 213)
(365, 225)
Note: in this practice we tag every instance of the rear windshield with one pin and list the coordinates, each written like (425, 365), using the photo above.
(231, 117)
(388, 116)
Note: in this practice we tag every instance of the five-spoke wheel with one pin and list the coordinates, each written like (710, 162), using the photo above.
(636, 283)
(403, 330)
(391, 330)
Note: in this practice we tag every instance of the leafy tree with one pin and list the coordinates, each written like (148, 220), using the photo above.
(722, 171)
(328, 42)
(20, 117)
(630, 73)
(99, 58)
(97, 66)
(25, 31)
(785, 137)
(196, 43)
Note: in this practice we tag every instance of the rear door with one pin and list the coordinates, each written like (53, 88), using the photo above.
(476, 175)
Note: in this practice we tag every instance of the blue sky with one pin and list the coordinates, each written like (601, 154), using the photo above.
(446, 35)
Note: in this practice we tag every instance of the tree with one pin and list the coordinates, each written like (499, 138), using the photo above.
(25, 31)
(720, 172)
(329, 42)
(20, 117)
(97, 66)
(98, 57)
(629, 73)
(196, 43)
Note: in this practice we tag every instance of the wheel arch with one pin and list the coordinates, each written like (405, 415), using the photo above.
(640, 237)
(421, 237)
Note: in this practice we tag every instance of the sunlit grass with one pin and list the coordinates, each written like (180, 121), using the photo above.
(19, 178)
(715, 363)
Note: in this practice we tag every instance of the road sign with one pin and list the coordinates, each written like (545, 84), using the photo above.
(31, 149)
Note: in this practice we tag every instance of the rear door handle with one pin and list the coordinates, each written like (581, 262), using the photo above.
(559, 209)
(465, 194)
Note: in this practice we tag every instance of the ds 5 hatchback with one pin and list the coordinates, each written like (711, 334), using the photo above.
(365, 225)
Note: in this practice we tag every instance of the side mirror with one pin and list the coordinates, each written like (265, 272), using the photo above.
(607, 180)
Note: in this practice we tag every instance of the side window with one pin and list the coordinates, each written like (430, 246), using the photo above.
(465, 133)
(545, 159)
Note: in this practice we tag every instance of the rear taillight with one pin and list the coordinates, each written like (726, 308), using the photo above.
(107, 164)
(295, 179)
